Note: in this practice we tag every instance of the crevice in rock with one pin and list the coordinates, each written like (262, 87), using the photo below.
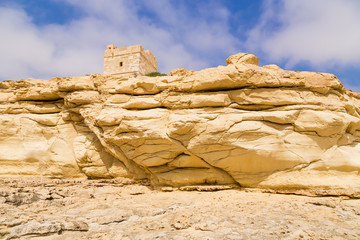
(187, 150)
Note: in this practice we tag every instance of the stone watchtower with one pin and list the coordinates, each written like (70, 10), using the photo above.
(132, 60)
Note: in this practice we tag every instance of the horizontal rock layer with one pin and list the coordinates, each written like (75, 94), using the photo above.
(236, 124)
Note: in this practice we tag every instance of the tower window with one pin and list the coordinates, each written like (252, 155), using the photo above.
(121, 64)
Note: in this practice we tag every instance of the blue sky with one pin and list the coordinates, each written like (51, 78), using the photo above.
(47, 38)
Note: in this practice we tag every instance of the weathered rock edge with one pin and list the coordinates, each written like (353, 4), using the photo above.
(238, 124)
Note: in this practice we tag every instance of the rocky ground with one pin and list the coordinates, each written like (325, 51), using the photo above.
(125, 209)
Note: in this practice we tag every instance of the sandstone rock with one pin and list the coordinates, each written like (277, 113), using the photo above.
(34, 228)
(243, 58)
(102, 209)
(236, 124)
(180, 72)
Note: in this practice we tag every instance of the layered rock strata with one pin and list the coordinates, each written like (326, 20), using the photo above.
(237, 124)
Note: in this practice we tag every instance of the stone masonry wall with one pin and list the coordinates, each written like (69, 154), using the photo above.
(128, 61)
(148, 63)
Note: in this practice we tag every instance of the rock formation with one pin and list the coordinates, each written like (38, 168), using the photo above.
(237, 124)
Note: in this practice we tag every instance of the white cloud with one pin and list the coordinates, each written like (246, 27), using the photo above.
(21, 48)
(176, 37)
(323, 33)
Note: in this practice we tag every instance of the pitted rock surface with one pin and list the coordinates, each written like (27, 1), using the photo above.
(125, 209)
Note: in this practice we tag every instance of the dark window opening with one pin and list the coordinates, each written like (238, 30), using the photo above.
(121, 64)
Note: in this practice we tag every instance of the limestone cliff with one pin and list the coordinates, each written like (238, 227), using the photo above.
(236, 124)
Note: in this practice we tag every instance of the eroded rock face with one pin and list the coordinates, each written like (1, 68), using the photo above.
(235, 124)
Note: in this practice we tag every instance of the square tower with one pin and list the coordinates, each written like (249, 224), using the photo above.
(131, 60)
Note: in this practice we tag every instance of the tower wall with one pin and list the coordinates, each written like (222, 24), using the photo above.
(128, 60)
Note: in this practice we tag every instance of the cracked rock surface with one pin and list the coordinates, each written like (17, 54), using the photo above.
(126, 209)
(239, 124)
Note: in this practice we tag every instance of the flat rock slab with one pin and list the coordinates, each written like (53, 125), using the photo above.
(88, 210)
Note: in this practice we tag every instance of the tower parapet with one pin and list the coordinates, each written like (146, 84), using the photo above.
(128, 60)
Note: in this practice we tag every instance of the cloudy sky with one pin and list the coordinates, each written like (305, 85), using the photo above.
(46, 38)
